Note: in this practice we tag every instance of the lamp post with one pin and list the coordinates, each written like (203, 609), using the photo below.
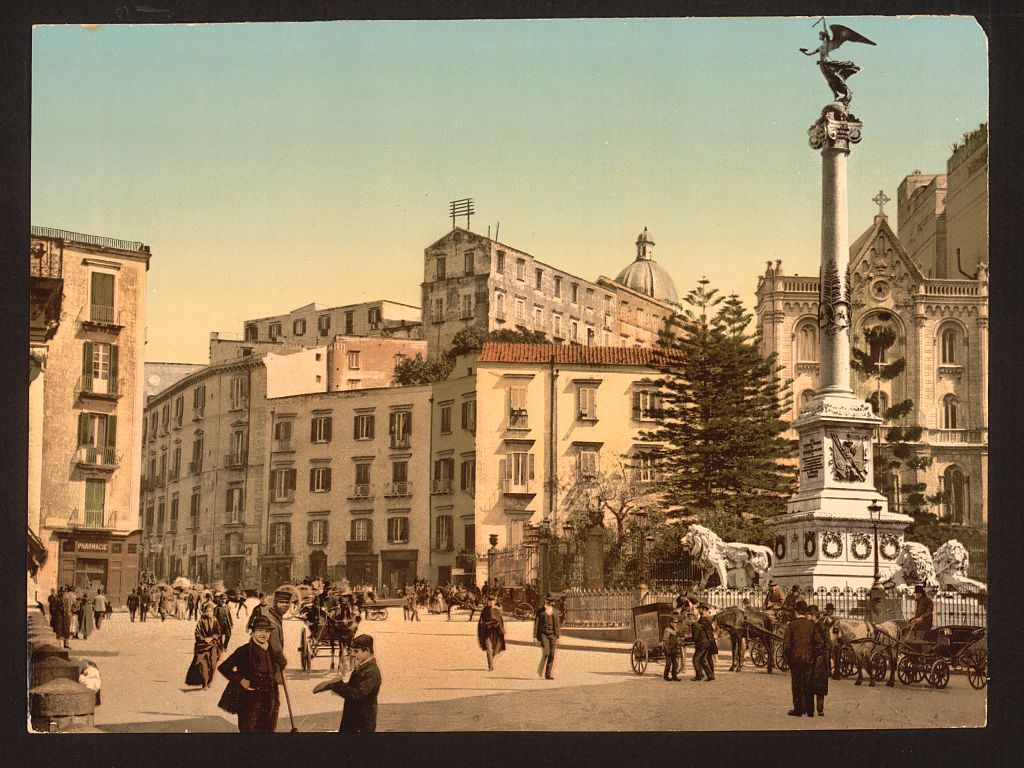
(490, 558)
(641, 521)
(567, 535)
(543, 553)
(875, 511)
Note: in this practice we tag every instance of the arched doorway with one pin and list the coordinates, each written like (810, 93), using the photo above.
(956, 498)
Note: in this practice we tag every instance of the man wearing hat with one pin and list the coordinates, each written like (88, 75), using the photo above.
(773, 598)
(670, 642)
(800, 644)
(704, 645)
(256, 667)
(546, 629)
(924, 609)
(360, 692)
(222, 612)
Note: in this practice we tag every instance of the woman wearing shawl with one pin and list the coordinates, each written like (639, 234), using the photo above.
(490, 632)
(207, 650)
(85, 618)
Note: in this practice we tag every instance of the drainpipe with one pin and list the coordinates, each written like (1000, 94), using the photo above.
(264, 545)
(430, 495)
(552, 443)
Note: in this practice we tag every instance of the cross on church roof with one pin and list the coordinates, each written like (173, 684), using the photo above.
(880, 200)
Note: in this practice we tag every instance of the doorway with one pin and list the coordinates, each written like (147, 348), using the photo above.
(90, 575)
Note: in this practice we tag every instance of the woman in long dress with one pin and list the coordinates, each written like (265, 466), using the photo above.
(85, 618)
(490, 632)
(207, 650)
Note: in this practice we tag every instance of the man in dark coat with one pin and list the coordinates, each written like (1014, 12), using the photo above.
(924, 610)
(143, 604)
(820, 673)
(800, 645)
(223, 615)
(546, 629)
(490, 632)
(257, 667)
(704, 645)
(360, 692)
(133, 604)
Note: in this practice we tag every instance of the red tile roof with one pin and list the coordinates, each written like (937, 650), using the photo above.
(502, 352)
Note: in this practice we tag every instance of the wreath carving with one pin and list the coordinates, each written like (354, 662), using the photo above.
(889, 547)
(780, 547)
(810, 543)
(832, 544)
(860, 546)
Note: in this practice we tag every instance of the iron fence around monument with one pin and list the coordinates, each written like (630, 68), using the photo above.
(613, 607)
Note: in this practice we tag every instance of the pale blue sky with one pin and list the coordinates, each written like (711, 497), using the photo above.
(270, 165)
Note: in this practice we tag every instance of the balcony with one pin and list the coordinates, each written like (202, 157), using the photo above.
(232, 549)
(197, 413)
(234, 460)
(239, 404)
(361, 491)
(510, 487)
(282, 446)
(90, 388)
(97, 458)
(46, 259)
(153, 482)
(195, 467)
(399, 489)
(173, 474)
(98, 317)
(93, 518)
(359, 546)
(518, 418)
(442, 486)
(234, 516)
(282, 497)
(402, 441)
(279, 548)
(956, 436)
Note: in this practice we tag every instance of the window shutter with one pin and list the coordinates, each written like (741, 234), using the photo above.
(355, 428)
(636, 405)
(113, 364)
(312, 430)
(111, 431)
(273, 476)
(83, 428)
(312, 478)
(327, 478)
(291, 479)
(393, 425)
(372, 419)
(531, 466)
(325, 529)
(309, 531)
(592, 403)
(87, 360)
(503, 469)
(408, 424)
(327, 428)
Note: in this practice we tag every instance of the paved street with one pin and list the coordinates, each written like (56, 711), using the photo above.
(435, 679)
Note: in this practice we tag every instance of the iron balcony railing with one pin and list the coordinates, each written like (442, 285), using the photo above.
(96, 456)
(234, 460)
(78, 237)
(361, 491)
(403, 488)
(90, 386)
(401, 441)
(93, 518)
(195, 467)
(286, 496)
(443, 485)
(509, 486)
(46, 259)
(100, 313)
(197, 413)
(280, 548)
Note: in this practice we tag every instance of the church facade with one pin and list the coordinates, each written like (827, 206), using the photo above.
(937, 301)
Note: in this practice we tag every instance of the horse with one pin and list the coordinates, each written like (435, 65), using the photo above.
(332, 627)
(238, 598)
(738, 623)
(865, 640)
(465, 601)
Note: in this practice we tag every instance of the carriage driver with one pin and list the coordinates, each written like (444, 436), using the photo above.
(773, 598)
(924, 609)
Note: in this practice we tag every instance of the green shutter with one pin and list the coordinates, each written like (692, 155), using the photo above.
(372, 419)
(87, 363)
(113, 367)
(111, 431)
(355, 428)
(312, 478)
(328, 423)
(291, 479)
(83, 429)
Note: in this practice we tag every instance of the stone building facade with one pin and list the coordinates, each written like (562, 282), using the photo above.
(942, 324)
(314, 324)
(471, 281)
(86, 470)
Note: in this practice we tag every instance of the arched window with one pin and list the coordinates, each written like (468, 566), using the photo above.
(953, 487)
(950, 341)
(950, 409)
(807, 342)
(806, 396)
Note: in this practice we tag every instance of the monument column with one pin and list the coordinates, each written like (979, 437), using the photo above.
(827, 538)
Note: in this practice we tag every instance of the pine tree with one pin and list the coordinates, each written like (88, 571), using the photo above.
(721, 423)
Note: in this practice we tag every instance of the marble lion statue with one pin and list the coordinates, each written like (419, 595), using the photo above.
(713, 555)
(913, 566)
(951, 561)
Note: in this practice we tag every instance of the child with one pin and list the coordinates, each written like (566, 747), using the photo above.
(670, 641)
(90, 678)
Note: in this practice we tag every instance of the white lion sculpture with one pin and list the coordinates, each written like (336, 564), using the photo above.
(716, 556)
(951, 561)
(913, 566)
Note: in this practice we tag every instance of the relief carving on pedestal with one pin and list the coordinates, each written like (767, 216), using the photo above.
(849, 458)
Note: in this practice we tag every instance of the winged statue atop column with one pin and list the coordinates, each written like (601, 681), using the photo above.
(836, 72)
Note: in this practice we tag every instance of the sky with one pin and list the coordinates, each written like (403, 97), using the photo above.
(272, 165)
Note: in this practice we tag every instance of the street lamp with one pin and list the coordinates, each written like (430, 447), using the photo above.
(641, 521)
(567, 535)
(543, 554)
(490, 558)
(875, 511)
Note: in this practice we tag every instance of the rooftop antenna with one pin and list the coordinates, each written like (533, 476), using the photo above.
(462, 207)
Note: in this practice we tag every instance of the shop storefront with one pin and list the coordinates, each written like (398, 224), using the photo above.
(397, 568)
(92, 560)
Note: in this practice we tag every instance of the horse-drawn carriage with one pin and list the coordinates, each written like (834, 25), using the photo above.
(940, 651)
(514, 603)
(649, 623)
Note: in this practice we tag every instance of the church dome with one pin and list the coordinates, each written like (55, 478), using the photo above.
(647, 276)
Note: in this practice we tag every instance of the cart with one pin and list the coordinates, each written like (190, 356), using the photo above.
(378, 610)
(513, 603)
(649, 623)
(941, 651)
(334, 627)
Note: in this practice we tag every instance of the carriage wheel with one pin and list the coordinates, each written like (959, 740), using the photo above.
(780, 658)
(382, 614)
(638, 657)
(847, 661)
(879, 666)
(906, 670)
(307, 661)
(977, 669)
(758, 654)
(523, 611)
(938, 674)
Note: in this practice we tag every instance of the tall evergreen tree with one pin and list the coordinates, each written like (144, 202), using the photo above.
(721, 422)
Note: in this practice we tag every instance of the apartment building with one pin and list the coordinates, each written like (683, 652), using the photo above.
(83, 467)
(314, 324)
(471, 281)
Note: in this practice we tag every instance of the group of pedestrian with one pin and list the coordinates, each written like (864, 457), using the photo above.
(77, 616)
(806, 646)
